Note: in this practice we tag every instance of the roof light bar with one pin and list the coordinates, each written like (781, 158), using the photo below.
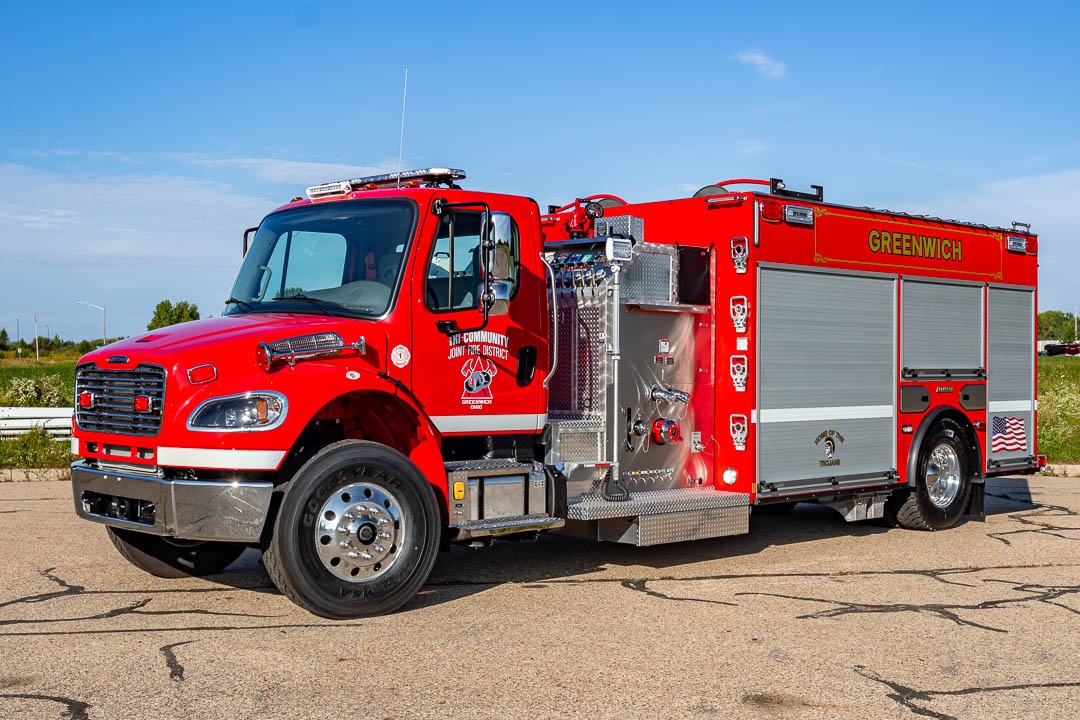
(429, 176)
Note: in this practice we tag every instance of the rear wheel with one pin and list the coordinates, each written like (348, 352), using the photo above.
(171, 557)
(357, 533)
(942, 483)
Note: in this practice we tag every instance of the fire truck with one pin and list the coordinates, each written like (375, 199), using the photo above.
(403, 364)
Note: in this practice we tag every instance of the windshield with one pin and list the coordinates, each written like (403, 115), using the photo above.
(341, 258)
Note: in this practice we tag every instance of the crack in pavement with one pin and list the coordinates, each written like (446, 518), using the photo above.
(135, 608)
(907, 696)
(66, 589)
(176, 670)
(946, 611)
(1031, 517)
(74, 709)
(192, 628)
(642, 587)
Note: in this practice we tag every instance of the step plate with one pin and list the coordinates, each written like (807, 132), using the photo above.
(676, 526)
(656, 502)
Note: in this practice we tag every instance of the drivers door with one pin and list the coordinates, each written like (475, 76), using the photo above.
(478, 378)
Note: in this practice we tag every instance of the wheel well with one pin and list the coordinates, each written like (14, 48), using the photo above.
(970, 440)
(366, 415)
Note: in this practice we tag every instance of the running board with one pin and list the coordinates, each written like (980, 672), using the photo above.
(657, 517)
(504, 526)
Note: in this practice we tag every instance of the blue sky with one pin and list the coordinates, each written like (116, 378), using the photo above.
(138, 140)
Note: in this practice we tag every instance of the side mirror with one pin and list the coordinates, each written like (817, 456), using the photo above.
(497, 298)
(247, 235)
(500, 260)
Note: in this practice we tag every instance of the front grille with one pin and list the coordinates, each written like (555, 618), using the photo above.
(114, 393)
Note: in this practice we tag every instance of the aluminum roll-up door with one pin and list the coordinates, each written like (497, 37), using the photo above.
(942, 328)
(1011, 376)
(827, 380)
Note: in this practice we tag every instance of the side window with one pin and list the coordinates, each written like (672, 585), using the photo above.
(506, 255)
(455, 279)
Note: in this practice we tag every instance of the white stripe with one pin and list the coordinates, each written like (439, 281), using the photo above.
(486, 423)
(74, 446)
(220, 459)
(1004, 406)
(824, 414)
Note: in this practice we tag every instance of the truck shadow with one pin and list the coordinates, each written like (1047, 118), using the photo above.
(466, 571)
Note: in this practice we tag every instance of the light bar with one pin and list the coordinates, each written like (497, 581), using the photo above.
(429, 176)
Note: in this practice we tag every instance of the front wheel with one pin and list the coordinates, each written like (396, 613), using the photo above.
(942, 484)
(171, 557)
(357, 533)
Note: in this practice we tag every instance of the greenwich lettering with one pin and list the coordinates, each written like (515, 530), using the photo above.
(920, 246)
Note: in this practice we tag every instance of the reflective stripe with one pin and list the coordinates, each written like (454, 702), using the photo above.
(1002, 406)
(74, 446)
(487, 423)
(220, 459)
(822, 414)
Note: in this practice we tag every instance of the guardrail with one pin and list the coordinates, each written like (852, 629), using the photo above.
(21, 420)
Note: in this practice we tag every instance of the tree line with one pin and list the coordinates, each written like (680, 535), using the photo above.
(165, 313)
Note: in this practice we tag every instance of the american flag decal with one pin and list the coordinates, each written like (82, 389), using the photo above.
(1007, 435)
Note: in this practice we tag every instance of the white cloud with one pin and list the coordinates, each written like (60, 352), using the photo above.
(125, 242)
(1049, 203)
(766, 65)
(288, 171)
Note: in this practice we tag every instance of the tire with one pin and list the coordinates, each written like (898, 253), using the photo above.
(357, 533)
(174, 558)
(942, 483)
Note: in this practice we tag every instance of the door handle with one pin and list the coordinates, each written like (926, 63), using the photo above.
(526, 369)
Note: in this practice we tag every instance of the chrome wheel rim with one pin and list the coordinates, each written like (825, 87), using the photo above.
(943, 475)
(358, 532)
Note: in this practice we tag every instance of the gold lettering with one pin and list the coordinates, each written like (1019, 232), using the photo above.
(874, 241)
(956, 252)
(917, 245)
(907, 244)
(946, 249)
(886, 242)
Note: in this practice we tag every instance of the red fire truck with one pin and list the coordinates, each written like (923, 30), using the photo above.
(403, 364)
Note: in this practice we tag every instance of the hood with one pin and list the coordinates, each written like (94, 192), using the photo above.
(214, 339)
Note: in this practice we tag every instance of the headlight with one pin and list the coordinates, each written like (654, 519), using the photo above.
(250, 411)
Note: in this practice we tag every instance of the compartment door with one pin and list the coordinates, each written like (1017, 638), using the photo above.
(1010, 431)
(827, 391)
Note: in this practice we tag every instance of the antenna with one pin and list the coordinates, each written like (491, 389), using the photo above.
(401, 142)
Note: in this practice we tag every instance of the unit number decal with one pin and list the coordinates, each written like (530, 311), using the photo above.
(400, 356)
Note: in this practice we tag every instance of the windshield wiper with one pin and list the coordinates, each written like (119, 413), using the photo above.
(320, 304)
(238, 301)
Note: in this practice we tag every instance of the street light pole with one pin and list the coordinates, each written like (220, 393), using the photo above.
(104, 336)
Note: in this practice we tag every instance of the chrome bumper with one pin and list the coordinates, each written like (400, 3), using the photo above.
(190, 509)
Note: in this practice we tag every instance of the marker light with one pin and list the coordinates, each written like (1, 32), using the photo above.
(202, 374)
(142, 403)
(86, 400)
(250, 411)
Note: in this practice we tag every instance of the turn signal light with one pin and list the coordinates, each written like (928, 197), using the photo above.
(142, 403)
(86, 400)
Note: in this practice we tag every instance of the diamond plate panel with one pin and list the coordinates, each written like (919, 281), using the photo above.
(693, 525)
(625, 225)
(579, 445)
(651, 277)
(578, 387)
(654, 502)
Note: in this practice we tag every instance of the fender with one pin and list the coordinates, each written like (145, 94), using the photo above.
(924, 427)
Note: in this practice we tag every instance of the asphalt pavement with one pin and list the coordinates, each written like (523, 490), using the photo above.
(804, 617)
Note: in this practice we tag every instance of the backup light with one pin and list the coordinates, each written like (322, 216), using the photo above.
(730, 476)
(799, 215)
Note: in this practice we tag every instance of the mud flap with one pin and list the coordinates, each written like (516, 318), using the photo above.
(976, 508)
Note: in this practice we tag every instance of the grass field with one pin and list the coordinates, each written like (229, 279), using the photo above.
(1059, 412)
